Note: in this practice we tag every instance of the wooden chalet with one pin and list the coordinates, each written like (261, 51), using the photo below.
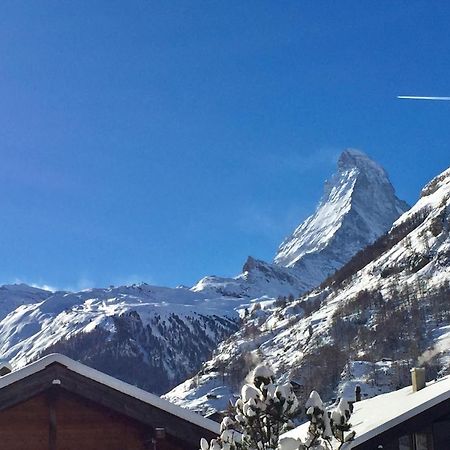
(413, 418)
(60, 404)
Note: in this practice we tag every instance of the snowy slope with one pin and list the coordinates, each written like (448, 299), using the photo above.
(358, 206)
(386, 310)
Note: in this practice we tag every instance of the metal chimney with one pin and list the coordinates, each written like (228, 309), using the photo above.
(357, 393)
(418, 378)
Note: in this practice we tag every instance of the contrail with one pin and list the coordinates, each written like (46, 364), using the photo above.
(414, 97)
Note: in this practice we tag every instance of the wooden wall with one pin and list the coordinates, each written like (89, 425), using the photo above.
(25, 425)
(59, 420)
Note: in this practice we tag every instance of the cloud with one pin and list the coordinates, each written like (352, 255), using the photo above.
(45, 287)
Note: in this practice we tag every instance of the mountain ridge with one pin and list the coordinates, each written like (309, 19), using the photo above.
(386, 311)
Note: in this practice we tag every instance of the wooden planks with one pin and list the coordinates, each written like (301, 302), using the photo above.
(25, 426)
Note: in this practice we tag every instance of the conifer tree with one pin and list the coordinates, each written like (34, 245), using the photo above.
(265, 411)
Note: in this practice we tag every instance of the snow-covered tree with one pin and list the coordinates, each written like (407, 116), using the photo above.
(340, 422)
(319, 422)
(326, 430)
(261, 414)
(265, 411)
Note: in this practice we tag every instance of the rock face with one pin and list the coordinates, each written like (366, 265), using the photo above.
(358, 205)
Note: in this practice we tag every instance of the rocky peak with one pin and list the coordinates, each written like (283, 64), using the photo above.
(358, 205)
(356, 159)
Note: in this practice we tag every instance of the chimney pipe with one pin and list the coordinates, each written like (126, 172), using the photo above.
(418, 378)
(357, 393)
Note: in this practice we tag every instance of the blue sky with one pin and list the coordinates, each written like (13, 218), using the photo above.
(166, 140)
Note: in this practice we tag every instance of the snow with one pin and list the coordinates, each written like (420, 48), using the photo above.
(432, 198)
(288, 443)
(33, 319)
(111, 382)
(348, 218)
(373, 378)
(314, 401)
(249, 392)
(376, 415)
(262, 371)
(206, 397)
(341, 412)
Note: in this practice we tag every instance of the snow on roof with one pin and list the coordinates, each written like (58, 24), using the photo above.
(373, 416)
(113, 383)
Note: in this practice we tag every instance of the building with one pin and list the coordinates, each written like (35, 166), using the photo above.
(59, 404)
(413, 418)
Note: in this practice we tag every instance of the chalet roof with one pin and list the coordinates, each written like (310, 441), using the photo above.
(375, 415)
(112, 383)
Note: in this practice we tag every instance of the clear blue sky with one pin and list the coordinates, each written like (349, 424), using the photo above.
(166, 140)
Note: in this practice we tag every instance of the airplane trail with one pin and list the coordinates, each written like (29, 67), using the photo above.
(415, 97)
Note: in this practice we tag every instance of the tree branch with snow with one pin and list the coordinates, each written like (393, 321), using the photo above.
(264, 412)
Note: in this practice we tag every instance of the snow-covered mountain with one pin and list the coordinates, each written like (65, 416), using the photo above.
(384, 311)
(156, 337)
(14, 295)
(149, 335)
(358, 206)
(257, 279)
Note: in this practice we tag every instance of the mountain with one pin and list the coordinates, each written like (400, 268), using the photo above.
(381, 313)
(258, 279)
(13, 296)
(148, 335)
(157, 337)
(358, 206)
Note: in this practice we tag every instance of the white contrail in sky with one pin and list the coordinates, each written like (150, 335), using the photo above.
(415, 97)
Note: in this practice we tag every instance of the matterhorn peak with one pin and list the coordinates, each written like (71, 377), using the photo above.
(356, 159)
(358, 205)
